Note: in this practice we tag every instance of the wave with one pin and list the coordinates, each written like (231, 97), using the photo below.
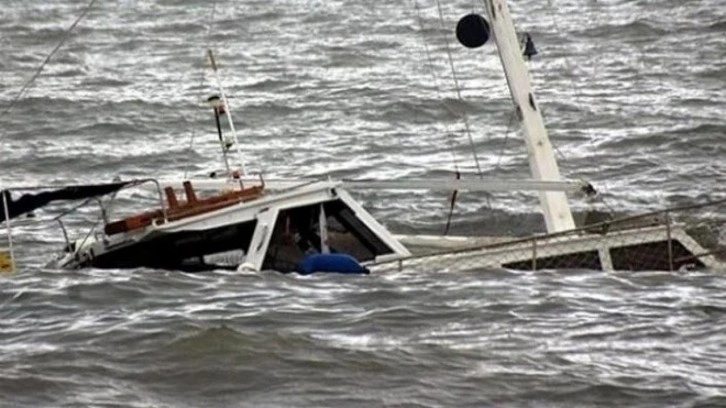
(633, 29)
(718, 27)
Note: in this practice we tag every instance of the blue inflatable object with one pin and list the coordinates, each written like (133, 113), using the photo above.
(330, 263)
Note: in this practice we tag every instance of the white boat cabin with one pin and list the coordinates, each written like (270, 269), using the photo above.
(271, 231)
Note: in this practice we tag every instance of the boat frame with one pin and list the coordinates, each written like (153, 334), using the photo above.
(263, 212)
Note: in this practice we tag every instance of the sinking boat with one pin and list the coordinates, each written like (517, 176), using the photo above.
(311, 226)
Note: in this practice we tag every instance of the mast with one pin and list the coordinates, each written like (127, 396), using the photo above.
(542, 162)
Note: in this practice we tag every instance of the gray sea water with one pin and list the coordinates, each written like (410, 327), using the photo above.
(634, 96)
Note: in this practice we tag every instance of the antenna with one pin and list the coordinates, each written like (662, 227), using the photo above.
(218, 107)
(225, 105)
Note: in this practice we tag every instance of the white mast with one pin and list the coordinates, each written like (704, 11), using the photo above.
(557, 214)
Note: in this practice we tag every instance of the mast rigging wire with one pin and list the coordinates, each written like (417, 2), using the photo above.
(449, 133)
(47, 59)
(578, 96)
(458, 94)
(430, 66)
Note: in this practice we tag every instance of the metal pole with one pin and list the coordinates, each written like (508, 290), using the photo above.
(227, 111)
(161, 199)
(323, 226)
(670, 241)
(221, 140)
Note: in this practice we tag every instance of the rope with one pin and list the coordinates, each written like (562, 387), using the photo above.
(47, 59)
(506, 137)
(550, 9)
(430, 66)
(449, 133)
(578, 97)
(458, 94)
(575, 89)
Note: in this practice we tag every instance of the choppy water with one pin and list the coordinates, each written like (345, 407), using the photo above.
(633, 93)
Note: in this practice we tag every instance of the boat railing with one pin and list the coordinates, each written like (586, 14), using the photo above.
(103, 218)
(92, 230)
(659, 240)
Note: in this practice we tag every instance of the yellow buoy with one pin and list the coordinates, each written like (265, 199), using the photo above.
(7, 264)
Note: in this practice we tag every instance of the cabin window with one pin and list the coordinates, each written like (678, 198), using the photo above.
(653, 256)
(189, 251)
(578, 260)
(297, 234)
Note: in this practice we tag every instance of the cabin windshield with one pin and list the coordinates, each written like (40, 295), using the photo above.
(190, 251)
(297, 234)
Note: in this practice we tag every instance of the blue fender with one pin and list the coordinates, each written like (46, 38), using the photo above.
(330, 263)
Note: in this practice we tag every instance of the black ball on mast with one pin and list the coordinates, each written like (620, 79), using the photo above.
(472, 31)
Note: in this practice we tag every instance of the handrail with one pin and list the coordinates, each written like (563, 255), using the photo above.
(432, 184)
(586, 228)
(161, 198)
